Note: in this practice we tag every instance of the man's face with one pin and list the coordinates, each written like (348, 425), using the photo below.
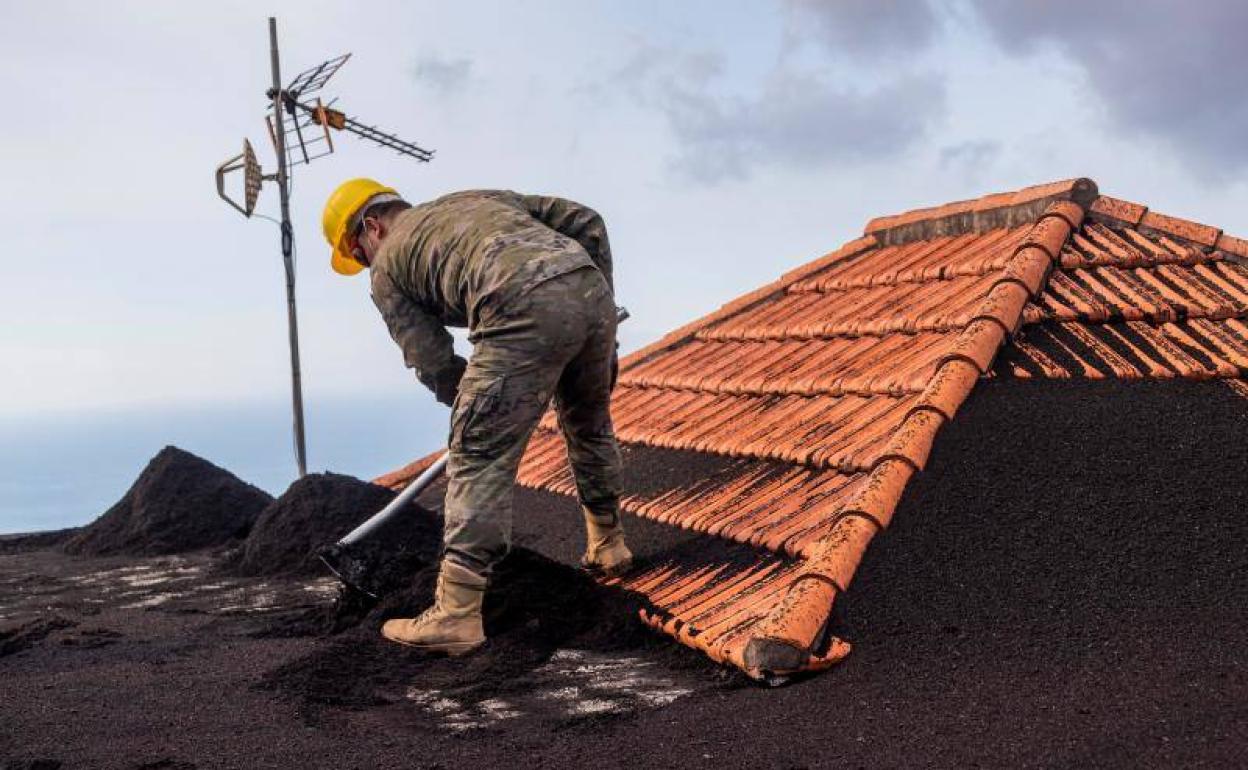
(366, 240)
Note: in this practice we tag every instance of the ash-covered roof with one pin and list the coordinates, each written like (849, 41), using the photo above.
(816, 398)
(1139, 295)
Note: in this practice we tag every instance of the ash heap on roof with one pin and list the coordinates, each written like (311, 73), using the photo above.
(818, 397)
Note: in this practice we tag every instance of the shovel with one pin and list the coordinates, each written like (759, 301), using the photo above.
(354, 558)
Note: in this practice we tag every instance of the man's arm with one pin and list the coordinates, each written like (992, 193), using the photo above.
(578, 222)
(427, 346)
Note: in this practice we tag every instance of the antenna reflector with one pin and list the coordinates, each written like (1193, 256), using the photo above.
(313, 79)
(253, 178)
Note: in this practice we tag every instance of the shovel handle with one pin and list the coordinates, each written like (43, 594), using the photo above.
(409, 493)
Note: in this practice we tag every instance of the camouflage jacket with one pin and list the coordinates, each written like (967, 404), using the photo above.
(454, 260)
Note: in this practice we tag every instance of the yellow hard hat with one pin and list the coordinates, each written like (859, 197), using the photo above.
(343, 204)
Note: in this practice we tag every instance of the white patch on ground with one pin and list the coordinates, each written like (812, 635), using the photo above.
(151, 601)
(573, 683)
(164, 582)
(140, 581)
(137, 586)
(264, 600)
(497, 708)
(213, 586)
(110, 574)
(461, 722)
(610, 684)
(563, 693)
(327, 587)
(656, 699)
(589, 706)
(106, 576)
(458, 716)
(149, 578)
(261, 597)
(137, 576)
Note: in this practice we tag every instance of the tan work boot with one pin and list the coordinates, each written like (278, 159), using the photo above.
(605, 551)
(453, 624)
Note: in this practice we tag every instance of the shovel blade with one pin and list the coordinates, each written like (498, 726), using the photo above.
(349, 567)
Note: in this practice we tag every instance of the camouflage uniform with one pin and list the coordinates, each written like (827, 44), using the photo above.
(530, 277)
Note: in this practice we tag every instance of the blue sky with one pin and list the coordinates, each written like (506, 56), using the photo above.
(724, 142)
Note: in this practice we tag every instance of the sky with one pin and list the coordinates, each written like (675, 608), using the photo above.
(723, 142)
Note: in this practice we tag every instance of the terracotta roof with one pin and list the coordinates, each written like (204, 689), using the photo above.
(823, 391)
(1139, 295)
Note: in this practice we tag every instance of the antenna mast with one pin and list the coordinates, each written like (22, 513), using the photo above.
(304, 116)
(288, 242)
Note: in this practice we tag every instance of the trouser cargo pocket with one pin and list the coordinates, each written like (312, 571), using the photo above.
(475, 423)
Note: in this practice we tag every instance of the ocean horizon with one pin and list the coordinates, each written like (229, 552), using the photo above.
(64, 470)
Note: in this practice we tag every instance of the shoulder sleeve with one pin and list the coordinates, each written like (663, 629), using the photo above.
(578, 222)
(427, 346)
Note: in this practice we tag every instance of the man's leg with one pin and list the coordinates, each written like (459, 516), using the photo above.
(509, 382)
(491, 422)
(493, 418)
(583, 402)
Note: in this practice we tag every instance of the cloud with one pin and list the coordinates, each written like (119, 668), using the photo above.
(973, 161)
(793, 118)
(445, 76)
(1169, 70)
(795, 121)
(864, 28)
(970, 156)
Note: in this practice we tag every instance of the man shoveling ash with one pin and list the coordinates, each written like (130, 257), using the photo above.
(530, 277)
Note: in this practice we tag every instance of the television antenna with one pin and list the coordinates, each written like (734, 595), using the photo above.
(308, 136)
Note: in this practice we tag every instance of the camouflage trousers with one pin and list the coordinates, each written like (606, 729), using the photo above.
(555, 341)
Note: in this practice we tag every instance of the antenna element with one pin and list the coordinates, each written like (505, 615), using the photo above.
(308, 137)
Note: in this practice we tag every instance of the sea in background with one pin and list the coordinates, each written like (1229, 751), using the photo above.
(64, 470)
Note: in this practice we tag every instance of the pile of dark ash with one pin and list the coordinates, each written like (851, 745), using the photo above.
(319, 509)
(179, 502)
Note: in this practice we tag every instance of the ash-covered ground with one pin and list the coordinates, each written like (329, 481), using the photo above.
(1066, 585)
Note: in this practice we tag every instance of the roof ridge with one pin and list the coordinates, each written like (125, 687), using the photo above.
(1131, 214)
(988, 212)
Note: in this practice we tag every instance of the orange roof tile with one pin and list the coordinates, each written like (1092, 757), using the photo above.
(1112, 208)
(822, 392)
(1236, 246)
(1190, 231)
(401, 477)
(1138, 295)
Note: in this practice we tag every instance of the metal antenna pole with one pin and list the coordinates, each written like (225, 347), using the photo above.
(303, 115)
(283, 190)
